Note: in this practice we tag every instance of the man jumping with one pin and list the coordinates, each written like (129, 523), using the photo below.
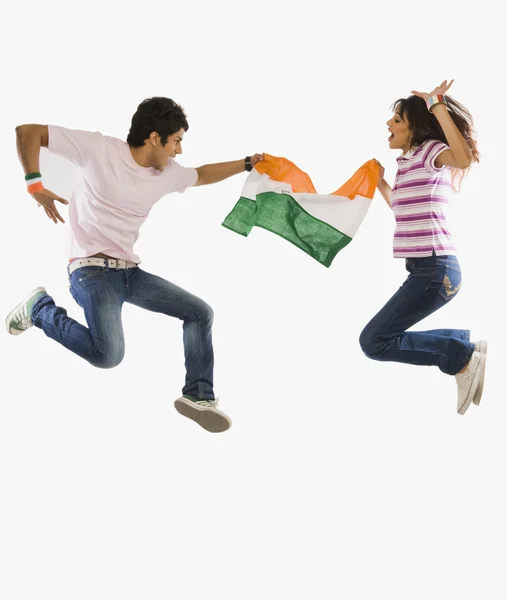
(119, 184)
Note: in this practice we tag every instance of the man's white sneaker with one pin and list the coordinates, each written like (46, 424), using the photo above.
(20, 317)
(205, 413)
(469, 380)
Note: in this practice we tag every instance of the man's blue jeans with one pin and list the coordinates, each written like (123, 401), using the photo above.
(101, 292)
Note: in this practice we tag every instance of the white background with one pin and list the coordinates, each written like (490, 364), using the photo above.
(341, 477)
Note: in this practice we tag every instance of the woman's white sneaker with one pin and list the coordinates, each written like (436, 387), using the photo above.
(482, 347)
(469, 380)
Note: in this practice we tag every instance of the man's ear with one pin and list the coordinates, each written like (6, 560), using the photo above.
(154, 138)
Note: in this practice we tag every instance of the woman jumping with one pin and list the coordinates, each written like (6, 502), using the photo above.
(435, 135)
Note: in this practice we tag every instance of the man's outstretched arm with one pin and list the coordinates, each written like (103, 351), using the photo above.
(219, 171)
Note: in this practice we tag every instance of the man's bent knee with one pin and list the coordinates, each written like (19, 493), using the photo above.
(107, 360)
(202, 312)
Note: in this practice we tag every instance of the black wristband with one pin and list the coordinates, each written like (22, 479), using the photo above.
(248, 164)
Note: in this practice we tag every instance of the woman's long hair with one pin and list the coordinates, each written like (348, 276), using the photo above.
(425, 126)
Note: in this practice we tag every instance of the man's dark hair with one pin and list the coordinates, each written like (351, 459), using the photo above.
(158, 114)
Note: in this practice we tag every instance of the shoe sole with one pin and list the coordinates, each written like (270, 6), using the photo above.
(207, 418)
(478, 376)
(483, 349)
(17, 307)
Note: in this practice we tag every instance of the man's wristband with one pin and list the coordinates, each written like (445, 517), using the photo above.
(34, 182)
(248, 164)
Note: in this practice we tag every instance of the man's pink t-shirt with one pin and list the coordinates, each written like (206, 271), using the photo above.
(113, 195)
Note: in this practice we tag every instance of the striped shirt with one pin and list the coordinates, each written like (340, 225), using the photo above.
(419, 199)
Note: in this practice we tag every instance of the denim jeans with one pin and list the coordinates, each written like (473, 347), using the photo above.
(433, 282)
(101, 292)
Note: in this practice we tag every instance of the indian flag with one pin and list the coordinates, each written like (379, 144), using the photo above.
(281, 198)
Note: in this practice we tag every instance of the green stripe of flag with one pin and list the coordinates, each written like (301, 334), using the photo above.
(282, 215)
